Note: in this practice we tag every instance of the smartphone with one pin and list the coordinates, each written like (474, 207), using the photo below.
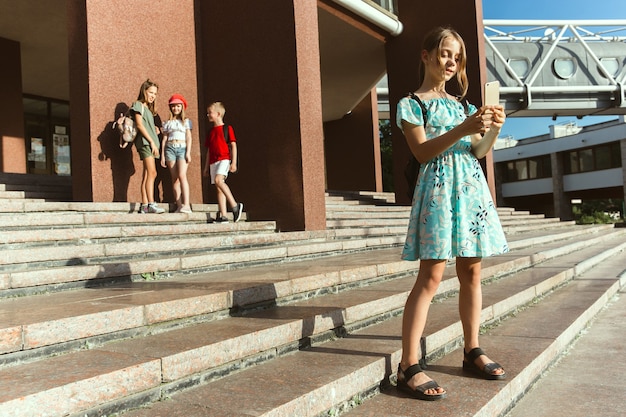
(491, 93)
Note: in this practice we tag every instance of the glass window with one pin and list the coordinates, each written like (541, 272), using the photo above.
(564, 67)
(546, 167)
(60, 110)
(602, 156)
(522, 170)
(47, 124)
(532, 169)
(616, 155)
(611, 65)
(520, 66)
(511, 174)
(586, 160)
(35, 107)
(572, 163)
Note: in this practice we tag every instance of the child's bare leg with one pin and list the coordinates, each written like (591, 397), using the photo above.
(144, 180)
(224, 189)
(470, 305)
(183, 182)
(221, 203)
(147, 183)
(414, 318)
(175, 182)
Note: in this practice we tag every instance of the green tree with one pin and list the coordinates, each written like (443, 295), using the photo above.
(386, 157)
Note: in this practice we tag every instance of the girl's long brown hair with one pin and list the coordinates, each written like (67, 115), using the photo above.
(142, 94)
(433, 41)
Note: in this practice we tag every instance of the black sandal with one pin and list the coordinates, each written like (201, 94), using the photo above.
(420, 391)
(486, 372)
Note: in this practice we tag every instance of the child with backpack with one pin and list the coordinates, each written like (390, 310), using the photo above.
(453, 215)
(147, 143)
(221, 160)
(176, 150)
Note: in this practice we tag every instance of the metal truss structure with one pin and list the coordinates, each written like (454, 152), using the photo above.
(558, 67)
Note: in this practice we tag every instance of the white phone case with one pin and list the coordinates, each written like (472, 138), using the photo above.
(491, 95)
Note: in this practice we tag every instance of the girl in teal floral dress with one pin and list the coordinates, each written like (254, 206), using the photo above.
(453, 215)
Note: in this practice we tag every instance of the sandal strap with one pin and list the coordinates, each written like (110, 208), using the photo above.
(426, 386)
(473, 354)
(410, 372)
(490, 368)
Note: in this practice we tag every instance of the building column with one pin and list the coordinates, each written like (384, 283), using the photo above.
(110, 58)
(355, 141)
(403, 58)
(562, 204)
(12, 141)
(263, 62)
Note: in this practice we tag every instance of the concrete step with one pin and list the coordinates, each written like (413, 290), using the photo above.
(50, 251)
(333, 376)
(12, 194)
(43, 187)
(103, 232)
(171, 361)
(229, 246)
(366, 196)
(47, 208)
(122, 243)
(518, 223)
(528, 343)
(368, 214)
(601, 348)
(144, 261)
(217, 300)
(369, 265)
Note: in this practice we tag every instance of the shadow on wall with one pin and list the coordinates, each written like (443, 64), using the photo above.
(121, 159)
(122, 165)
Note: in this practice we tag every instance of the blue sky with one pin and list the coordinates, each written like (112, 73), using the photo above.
(525, 127)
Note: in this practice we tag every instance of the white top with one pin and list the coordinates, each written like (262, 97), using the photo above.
(175, 129)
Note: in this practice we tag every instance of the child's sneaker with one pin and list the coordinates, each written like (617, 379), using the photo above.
(221, 219)
(143, 209)
(237, 212)
(153, 208)
(185, 210)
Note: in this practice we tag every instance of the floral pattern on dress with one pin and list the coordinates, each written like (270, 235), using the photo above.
(453, 213)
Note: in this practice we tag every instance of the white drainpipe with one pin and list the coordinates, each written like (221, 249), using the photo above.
(373, 15)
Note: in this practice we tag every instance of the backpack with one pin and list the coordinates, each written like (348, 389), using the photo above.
(412, 168)
(126, 126)
(227, 139)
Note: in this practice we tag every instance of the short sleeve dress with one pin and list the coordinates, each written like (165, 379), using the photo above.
(453, 214)
(148, 122)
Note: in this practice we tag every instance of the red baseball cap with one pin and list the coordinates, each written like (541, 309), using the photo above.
(178, 99)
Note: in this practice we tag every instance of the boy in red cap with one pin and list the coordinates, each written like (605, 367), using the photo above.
(176, 150)
(221, 160)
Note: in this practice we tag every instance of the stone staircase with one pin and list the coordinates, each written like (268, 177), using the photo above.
(107, 312)
(35, 187)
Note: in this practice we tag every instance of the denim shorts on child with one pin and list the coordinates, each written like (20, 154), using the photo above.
(219, 168)
(174, 153)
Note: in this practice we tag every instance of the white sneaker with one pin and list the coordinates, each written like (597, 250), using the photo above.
(153, 208)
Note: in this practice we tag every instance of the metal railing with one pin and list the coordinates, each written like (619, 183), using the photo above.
(535, 58)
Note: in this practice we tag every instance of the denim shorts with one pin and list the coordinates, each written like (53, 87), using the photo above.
(173, 154)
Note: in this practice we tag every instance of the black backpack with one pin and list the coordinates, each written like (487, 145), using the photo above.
(412, 168)
(227, 139)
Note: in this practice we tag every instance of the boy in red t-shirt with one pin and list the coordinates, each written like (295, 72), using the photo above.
(221, 159)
